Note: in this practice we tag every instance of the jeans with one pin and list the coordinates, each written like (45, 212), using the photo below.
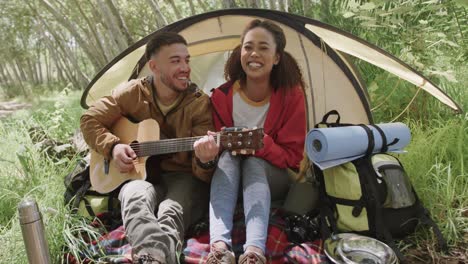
(180, 200)
(261, 183)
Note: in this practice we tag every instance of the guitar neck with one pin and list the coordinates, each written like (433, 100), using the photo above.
(166, 146)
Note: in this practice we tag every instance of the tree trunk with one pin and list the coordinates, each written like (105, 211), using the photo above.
(284, 6)
(111, 50)
(89, 50)
(176, 10)
(111, 24)
(6, 80)
(20, 68)
(65, 49)
(161, 20)
(18, 78)
(69, 71)
(192, 8)
(39, 62)
(31, 72)
(305, 6)
(261, 4)
(273, 4)
(252, 4)
(8, 75)
(107, 42)
(47, 64)
(120, 22)
(56, 61)
(203, 6)
(229, 4)
(92, 27)
(10, 81)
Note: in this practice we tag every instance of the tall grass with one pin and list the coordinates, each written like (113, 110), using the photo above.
(25, 171)
(436, 163)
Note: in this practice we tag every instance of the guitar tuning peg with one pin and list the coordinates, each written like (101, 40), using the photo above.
(234, 153)
(243, 151)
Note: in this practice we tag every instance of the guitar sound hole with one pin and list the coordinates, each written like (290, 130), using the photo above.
(135, 145)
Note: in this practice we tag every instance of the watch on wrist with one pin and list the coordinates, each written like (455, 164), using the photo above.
(208, 165)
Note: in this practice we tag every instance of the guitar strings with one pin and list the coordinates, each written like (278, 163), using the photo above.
(167, 146)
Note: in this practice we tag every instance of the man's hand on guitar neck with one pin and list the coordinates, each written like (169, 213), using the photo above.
(123, 156)
(206, 148)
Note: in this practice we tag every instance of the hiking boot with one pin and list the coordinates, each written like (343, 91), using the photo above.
(251, 257)
(220, 256)
(145, 259)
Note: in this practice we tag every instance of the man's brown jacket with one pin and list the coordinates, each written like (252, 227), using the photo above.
(136, 100)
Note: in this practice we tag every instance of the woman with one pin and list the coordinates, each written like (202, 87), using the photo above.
(264, 89)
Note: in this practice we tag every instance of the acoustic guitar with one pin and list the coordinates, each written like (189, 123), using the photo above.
(143, 138)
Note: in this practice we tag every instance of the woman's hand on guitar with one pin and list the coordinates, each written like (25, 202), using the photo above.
(206, 148)
(123, 156)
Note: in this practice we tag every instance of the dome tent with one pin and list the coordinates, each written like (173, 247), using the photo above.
(332, 82)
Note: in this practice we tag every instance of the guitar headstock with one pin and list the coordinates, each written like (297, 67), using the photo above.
(243, 139)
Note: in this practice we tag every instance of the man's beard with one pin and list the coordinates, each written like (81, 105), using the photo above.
(171, 86)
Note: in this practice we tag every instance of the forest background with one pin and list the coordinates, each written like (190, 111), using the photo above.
(51, 49)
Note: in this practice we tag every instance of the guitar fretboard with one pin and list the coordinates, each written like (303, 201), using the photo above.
(166, 146)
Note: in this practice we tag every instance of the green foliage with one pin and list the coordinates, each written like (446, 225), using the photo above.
(428, 35)
(26, 171)
(436, 161)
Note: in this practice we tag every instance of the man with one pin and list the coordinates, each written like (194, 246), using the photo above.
(181, 111)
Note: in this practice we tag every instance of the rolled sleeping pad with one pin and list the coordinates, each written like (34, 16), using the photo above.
(326, 144)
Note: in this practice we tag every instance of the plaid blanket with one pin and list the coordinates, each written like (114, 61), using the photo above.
(112, 247)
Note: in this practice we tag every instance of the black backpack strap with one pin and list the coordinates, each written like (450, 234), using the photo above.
(387, 237)
(80, 193)
(376, 211)
(88, 207)
(327, 216)
(327, 115)
(384, 147)
(371, 140)
(426, 219)
(110, 202)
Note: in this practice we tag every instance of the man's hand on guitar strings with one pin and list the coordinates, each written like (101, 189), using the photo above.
(206, 148)
(124, 157)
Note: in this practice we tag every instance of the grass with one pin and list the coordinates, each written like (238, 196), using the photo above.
(436, 162)
(27, 172)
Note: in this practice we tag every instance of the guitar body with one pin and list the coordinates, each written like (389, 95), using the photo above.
(144, 139)
(128, 132)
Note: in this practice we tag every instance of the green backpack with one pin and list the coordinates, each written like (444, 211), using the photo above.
(372, 196)
(82, 200)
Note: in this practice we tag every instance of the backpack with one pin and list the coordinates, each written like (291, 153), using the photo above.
(82, 200)
(371, 195)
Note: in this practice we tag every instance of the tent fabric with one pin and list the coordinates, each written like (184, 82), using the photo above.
(331, 80)
(380, 58)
